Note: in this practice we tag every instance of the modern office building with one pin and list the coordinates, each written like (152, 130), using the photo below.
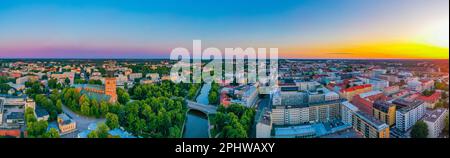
(306, 113)
(408, 113)
(436, 122)
(385, 112)
(369, 127)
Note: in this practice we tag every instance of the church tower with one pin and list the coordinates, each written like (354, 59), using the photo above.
(110, 87)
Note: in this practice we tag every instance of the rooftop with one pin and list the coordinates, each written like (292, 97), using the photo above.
(15, 115)
(92, 86)
(381, 105)
(435, 114)
(302, 105)
(371, 120)
(356, 88)
(350, 106)
(405, 106)
(432, 98)
(65, 118)
(97, 96)
(371, 93)
(40, 112)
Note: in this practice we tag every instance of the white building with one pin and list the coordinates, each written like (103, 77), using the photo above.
(408, 113)
(307, 86)
(347, 112)
(420, 85)
(134, 76)
(121, 80)
(22, 80)
(378, 72)
(436, 122)
(1, 110)
(378, 84)
(250, 96)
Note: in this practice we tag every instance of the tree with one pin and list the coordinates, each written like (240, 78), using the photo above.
(59, 106)
(80, 81)
(174, 132)
(37, 129)
(233, 122)
(4, 88)
(427, 93)
(112, 121)
(104, 108)
(85, 109)
(213, 96)
(102, 130)
(419, 130)
(52, 83)
(92, 134)
(95, 82)
(125, 85)
(52, 133)
(123, 96)
(446, 125)
(59, 86)
(67, 81)
(95, 110)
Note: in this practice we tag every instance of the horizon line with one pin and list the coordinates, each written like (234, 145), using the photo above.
(165, 58)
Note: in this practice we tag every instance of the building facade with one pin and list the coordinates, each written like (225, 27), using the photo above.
(100, 93)
(66, 124)
(347, 112)
(436, 122)
(370, 127)
(349, 93)
(310, 113)
(385, 112)
(408, 113)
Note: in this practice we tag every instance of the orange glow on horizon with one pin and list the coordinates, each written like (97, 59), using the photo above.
(397, 50)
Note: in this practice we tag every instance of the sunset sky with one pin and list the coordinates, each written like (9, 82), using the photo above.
(416, 29)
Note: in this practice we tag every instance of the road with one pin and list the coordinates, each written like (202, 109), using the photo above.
(82, 121)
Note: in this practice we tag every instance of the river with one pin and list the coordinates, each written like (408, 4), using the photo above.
(197, 122)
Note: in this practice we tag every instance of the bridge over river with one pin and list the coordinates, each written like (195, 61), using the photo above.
(207, 109)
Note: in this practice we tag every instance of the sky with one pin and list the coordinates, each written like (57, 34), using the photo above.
(318, 29)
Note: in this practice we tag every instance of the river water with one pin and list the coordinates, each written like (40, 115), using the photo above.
(197, 122)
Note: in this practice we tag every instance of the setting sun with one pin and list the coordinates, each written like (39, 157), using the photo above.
(437, 34)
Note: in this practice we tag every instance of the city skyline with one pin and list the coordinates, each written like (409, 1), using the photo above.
(324, 29)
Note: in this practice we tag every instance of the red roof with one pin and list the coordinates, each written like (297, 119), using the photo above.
(362, 104)
(13, 133)
(432, 98)
(376, 97)
(356, 88)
